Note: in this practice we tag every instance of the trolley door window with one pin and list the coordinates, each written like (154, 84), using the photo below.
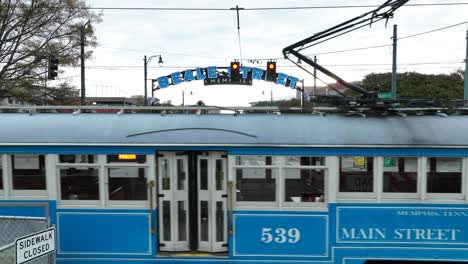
(400, 175)
(356, 174)
(127, 183)
(28, 172)
(444, 175)
(257, 181)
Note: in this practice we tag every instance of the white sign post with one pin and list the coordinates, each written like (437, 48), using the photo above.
(35, 245)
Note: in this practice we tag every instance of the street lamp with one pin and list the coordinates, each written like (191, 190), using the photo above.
(146, 61)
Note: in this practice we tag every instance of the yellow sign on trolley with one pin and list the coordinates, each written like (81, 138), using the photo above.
(359, 162)
(127, 156)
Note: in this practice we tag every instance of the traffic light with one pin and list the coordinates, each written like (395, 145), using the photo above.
(53, 68)
(271, 71)
(235, 71)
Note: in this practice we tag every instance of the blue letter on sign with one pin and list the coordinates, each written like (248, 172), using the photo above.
(257, 73)
(245, 71)
(282, 79)
(212, 74)
(188, 76)
(163, 82)
(293, 81)
(200, 75)
(176, 78)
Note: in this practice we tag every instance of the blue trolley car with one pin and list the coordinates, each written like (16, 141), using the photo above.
(248, 188)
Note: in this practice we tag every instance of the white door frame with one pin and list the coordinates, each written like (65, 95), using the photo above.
(173, 197)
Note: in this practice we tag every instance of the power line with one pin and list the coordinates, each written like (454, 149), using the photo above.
(162, 52)
(136, 67)
(434, 30)
(349, 6)
(265, 8)
(389, 45)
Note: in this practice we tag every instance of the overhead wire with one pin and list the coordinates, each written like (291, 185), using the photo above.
(132, 8)
(389, 45)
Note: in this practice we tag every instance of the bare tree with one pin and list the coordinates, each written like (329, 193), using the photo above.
(33, 30)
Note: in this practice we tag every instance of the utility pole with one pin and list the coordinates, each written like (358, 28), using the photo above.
(315, 78)
(302, 95)
(465, 91)
(394, 67)
(82, 43)
(237, 8)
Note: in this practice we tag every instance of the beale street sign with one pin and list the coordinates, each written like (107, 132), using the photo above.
(214, 76)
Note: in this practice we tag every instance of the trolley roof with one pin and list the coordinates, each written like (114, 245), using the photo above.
(227, 130)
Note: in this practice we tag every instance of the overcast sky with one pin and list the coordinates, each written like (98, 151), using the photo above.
(189, 39)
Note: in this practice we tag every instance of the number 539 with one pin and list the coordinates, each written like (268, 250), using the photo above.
(280, 235)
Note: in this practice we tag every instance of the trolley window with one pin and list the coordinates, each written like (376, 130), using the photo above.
(88, 159)
(127, 183)
(256, 160)
(256, 178)
(28, 172)
(400, 175)
(79, 183)
(356, 174)
(304, 185)
(256, 184)
(444, 175)
(304, 161)
(126, 158)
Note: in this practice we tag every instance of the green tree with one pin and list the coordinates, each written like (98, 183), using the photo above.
(412, 85)
(33, 30)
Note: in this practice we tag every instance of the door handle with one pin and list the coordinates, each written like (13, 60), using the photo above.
(231, 206)
(151, 185)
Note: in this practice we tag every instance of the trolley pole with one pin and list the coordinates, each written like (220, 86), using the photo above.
(465, 90)
(394, 67)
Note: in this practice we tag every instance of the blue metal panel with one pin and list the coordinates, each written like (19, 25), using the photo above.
(286, 235)
(332, 151)
(400, 224)
(31, 208)
(104, 233)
